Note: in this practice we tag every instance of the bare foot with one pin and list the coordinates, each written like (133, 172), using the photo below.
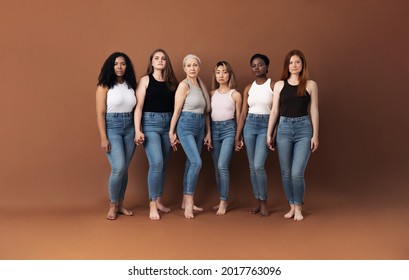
(189, 212)
(188, 206)
(195, 208)
(290, 213)
(153, 211)
(222, 208)
(122, 210)
(263, 208)
(161, 207)
(297, 214)
(112, 212)
(255, 210)
(216, 207)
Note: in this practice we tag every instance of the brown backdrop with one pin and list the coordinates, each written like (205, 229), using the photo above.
(52, 52)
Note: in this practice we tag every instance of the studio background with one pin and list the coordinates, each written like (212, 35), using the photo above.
(52, 165)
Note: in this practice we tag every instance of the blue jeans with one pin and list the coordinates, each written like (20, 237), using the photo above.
(121, 133)
(157, 148)
(294, 149)
(255, 138)
(223, 133)
(190, 130)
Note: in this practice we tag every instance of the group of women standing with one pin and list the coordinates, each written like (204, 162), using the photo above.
(164, 113)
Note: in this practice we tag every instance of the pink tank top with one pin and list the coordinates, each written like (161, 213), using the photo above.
(223, 106)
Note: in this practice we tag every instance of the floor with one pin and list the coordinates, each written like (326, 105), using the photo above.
(340, 223)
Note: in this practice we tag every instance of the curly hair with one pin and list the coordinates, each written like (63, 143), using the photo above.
(107, 77)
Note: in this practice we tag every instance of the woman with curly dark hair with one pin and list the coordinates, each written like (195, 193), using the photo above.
(115, 102)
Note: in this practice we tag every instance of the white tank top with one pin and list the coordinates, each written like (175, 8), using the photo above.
(223, 106)
(120, 99)
(260, 98)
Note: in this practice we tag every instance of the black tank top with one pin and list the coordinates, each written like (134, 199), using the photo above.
(291, 105)
(158, 98)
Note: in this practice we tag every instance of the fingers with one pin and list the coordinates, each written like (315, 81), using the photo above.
(239, 146)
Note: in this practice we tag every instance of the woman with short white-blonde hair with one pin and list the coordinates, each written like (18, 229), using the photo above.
(190, 125)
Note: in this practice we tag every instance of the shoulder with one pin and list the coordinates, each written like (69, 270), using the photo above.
(272, 84)
(144, 80)
(312, 84)
(312, 87)
(102, 90)
(235, 95)
(183, 87)
(278, 86)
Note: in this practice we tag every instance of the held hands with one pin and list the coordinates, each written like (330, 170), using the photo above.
(270, 143)
(139, 138)
(208, 142)
(238, 144)
(173, 141)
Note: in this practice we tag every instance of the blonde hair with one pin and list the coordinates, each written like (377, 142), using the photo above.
(200, 82)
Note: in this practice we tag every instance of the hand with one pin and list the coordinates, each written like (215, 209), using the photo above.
(208, 142)
(314, 144)
(173, 141)
(270, 143)
(238, 144)
(105, 145)
(139, 138)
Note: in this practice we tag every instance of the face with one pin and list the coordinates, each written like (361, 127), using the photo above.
(221, 74)
(295, 65)
(159, 61)
(192, 68)
(120, 66)
(259, 67)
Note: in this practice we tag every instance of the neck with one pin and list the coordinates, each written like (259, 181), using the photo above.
(261, 80)
(158, 75)
(120, 80)
(293, 79)
(223, 88)
(193, 80)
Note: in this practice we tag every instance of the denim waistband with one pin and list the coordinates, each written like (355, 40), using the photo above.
(257, 116)
(192, 115)
(127, 114)
(296, 119)
(157, 114)
(223, 122)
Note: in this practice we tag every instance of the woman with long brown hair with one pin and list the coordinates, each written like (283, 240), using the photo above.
(156, 94)
(295, 108)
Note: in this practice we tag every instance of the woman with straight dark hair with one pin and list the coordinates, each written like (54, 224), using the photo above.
(156, 94)
(257, 102)
(226, 106)
(295, 108)
(115, 102)
(191, 121)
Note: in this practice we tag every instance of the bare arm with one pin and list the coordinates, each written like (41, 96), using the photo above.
(312, 88)
(208, 136)
(236, 96)
(180, 96)
(101, 100)
(140, 97)
(274, 113)
(242, 119)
